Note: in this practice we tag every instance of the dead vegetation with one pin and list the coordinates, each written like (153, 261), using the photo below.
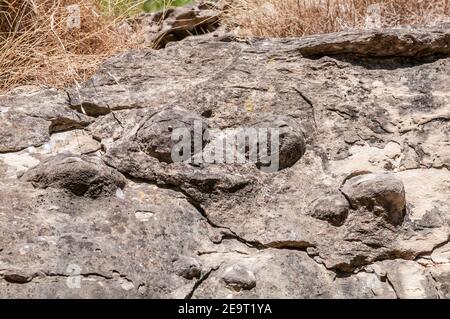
(286, 18)
(50, 42)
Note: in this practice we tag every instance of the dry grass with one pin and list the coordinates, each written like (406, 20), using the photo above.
(39, 47)
(285, 18)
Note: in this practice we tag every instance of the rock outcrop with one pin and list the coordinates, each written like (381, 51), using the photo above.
(176, 23)
(92, 203)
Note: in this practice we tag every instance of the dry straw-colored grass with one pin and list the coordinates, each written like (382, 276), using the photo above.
(39, 47)
(285, 18)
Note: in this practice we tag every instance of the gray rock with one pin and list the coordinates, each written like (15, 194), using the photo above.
(18, 131)
(333, 209)
(278, 205)
(375, 191)
(283, 274)
(155, 134)
(410, 280)
(397, 42)
(65, 246)
(28, 118)
(239, 277)
(383, 111)
(292, 145)
(80, 175)
(188, 267)
(441, 275)
(47, 104)
(431, 219)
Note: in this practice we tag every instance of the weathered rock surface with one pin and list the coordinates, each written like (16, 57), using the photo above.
(398, 42)
(177, 23)
(28, 118)
(188, 267)
(81, 176)
(93, 205)
(292, 145)
(154, 136)
(377, 192)
(333, 208)
(238, 277)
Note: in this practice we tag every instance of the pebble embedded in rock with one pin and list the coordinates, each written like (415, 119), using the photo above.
(187, 267)
(80, 175)
(239, 277)
(155, 134)
(333, 209)
(431, 219)
(383, 190)
(292, 144)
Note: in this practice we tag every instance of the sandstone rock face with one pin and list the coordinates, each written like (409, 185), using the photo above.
(92, 203)
(27, 119)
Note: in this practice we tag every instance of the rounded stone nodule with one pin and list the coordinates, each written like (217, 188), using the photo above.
(291, 142)
(82, 176)
(187, 267)
(332, 209)
(159, 133)
(383, 190)
(239, 277)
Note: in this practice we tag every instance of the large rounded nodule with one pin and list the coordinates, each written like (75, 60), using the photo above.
(291, 143)
(159, 133)
(82, 176)
(383, 190)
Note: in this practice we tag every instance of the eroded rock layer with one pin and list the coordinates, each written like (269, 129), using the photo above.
(92, 204)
